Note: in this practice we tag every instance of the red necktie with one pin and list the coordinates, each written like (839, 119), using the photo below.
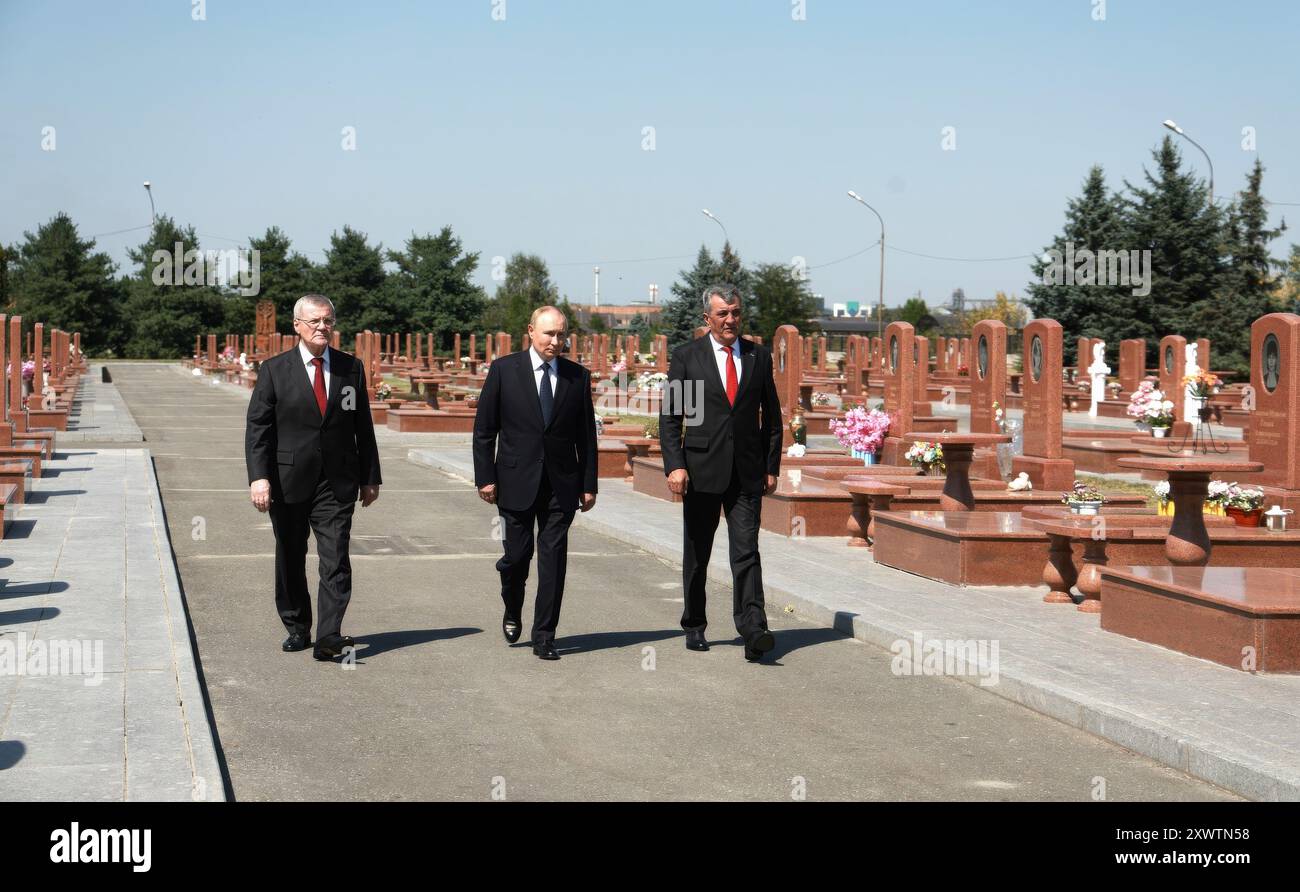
(731, 375)
(319, 384)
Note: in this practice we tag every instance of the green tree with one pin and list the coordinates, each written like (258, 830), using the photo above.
(684, 312)
(171, 298)
(781, 297)
(1007, 310)
(1174, 219)
(1248, 287)
(284, 276)
(1093, 221)
(352, 277)
(56, 277)
(526, 287)
(430, 291)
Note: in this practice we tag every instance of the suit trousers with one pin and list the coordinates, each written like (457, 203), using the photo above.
(331, 522)
(552, 521)
(743, 511)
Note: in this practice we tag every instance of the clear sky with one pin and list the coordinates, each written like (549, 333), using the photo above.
(527, 134)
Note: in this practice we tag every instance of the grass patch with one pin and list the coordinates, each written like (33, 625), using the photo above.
(1120, 487)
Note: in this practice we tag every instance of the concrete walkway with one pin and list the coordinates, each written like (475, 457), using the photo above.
(1233, 729)
(439, 707)
(99, 416)
(99, 692)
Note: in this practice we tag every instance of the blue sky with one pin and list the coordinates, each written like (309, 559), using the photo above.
(527, 134)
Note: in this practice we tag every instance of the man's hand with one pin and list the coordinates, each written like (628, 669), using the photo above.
(368, 495)
(259, 491)
(588, 501)
(488, 493)
(677, 482)
(771, 483)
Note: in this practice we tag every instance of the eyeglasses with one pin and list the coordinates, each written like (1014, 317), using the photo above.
(327, 322)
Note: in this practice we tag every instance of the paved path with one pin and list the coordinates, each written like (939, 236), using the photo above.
(439, 707)
(88, 574)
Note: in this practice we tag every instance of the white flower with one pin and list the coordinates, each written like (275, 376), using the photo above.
(798, 450)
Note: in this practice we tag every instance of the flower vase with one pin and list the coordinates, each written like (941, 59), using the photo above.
(869, 459)
(1086, 508)
(1245, 518)
(1160, 432)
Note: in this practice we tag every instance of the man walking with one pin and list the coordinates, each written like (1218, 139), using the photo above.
(535, 459)
(720, 432)
(310, 448)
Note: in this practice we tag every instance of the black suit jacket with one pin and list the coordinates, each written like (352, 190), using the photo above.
(703, 433)
(509, 421)
(287, 441)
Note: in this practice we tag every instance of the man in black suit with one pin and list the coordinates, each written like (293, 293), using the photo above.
(720, 432)
(535, 412)
(310, 449)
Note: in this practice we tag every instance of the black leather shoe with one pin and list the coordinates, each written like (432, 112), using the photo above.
(545, 651)
(759, 644)
(331, 647)
(695, 640)
(511, 628)
(296, 642)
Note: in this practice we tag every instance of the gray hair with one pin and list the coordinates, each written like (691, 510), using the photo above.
(311, 300)
(729, 294)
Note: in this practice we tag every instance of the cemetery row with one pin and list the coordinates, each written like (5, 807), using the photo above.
(36, 397)
(982, 501)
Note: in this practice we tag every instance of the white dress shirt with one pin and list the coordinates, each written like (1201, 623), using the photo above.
(537, 371)
(721, 359)
(311, 369)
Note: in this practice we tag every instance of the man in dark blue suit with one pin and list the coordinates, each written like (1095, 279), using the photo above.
(535, 459)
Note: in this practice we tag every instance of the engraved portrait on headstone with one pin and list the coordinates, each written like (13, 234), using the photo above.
(1169, 359)
(893, 354)
(982, 356)
(1036, 358)
(1272, 363)
(781, 356)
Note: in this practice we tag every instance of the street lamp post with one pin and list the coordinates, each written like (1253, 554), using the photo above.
(153, 215)
(726, 237)
(1179, 130)
(880, 310)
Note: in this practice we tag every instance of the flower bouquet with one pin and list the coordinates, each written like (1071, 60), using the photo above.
(651, 380)
(926, 455)
(1202, 385)
(1165, 508)
(1083, 498)
(383, 392)
(862, 432)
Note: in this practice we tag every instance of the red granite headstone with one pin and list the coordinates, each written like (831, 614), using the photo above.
(899, 377)
(921, 375)
(1041, 400)
(1275, 376)
(1172, 360)
(1132, 364)
(787, 364)
(988, 375)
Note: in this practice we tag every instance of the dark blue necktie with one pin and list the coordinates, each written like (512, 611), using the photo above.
(546, 396)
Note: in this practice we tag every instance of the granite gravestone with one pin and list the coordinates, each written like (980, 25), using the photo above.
(1274, 437)
(988, 377)
(1132, 364)
(1172, 358)
(1041, 400)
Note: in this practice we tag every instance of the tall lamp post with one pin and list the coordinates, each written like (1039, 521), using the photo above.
(880, 310)
(719, 222)
(153, 215)
(1179, 130)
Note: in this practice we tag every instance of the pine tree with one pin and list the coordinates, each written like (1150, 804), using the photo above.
(57, 278)
(170, 298)
(1093, 221)
(1174, 218)
(526, 287)
(1248, 287)
(685, 311)
(284, 276)
(781, 297)
(431, 291)
(352, 276)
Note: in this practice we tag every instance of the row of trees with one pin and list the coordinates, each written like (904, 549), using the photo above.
(174, 290)
(1211, 274)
